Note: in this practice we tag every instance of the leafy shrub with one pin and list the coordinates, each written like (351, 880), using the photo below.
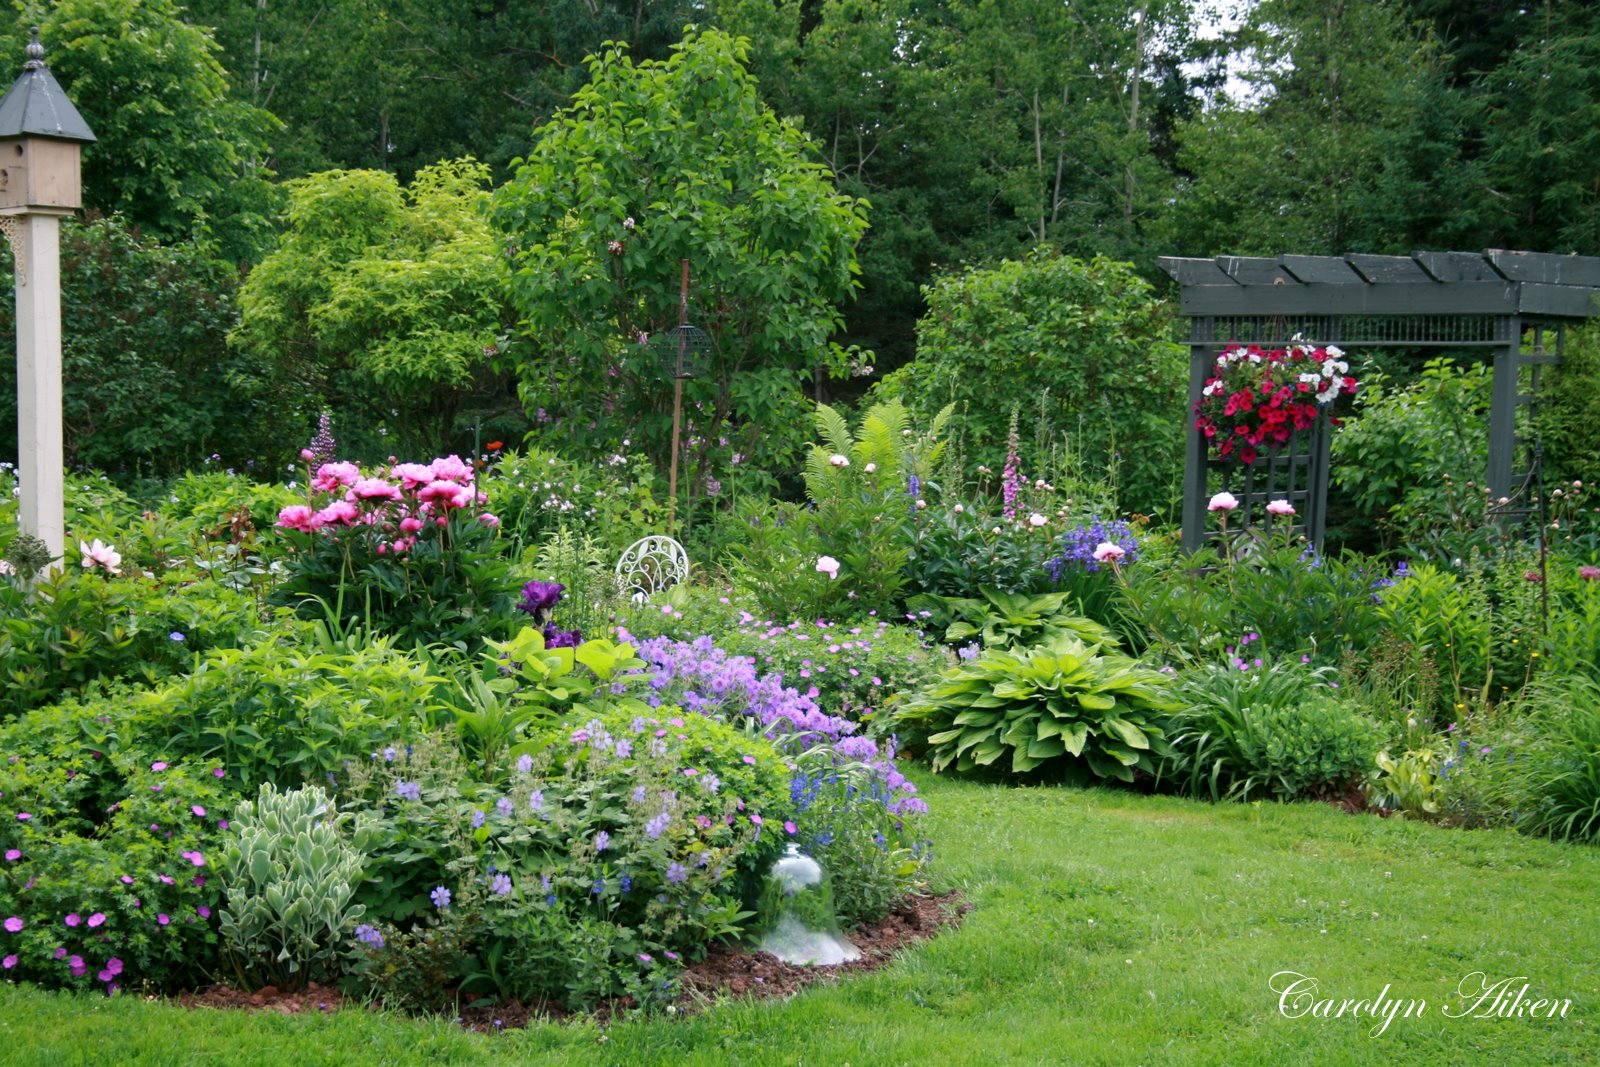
(1001, 620)
(957, 547)
(113, 896)
(1557, 775)
(612, 501)
(224, 506)
(1298, 601)
(403, 549)
(1396, 459)
(1063, 705)
(290, 866)
(1409, 783)
(79, 627)
(1275, 731)
(280, 713)
(1023, 328)
(624, 842)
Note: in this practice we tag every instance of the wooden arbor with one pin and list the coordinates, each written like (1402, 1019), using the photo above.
(1513, 307)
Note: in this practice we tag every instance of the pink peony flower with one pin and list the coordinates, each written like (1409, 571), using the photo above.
(340, 513)
(100, 555)
(1223, 502)
(829, 566)
(412, 475)
(297, 517)
(1589, 574)
(1109, 552)
(331, 476)
(1280, 507)
(373, 489)
(452, 469)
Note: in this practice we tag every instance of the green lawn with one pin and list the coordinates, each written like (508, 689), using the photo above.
(1108, 928)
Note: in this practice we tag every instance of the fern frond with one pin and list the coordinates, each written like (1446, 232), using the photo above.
(835, 432)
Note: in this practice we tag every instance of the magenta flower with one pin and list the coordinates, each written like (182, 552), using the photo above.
(217, 772)
(194, 857)
(297, 517)
(163, 918)
(14, 924)
(127, 879)
(204, 912)
(373, 489)
(789, 826)
(97, 919)
(72, 919)
(23, 816)
(9, 962)
(158, 766)
(198, 810)
(13, 853)
(77, 965)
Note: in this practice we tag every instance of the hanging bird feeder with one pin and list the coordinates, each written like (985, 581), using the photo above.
(681, 352)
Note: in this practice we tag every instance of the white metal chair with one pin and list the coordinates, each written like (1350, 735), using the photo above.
(651, 564)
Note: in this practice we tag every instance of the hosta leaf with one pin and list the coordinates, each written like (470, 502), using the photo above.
(1046, 747)
(1073, 737)
(987, 752)
(944, 736)
(1130, 734)
(975, 718)
(1021, 761)
(1097, 701)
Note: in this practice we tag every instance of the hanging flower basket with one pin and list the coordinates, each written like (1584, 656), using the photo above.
(1257, 399)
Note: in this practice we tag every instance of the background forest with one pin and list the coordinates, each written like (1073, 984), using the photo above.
(274, 230)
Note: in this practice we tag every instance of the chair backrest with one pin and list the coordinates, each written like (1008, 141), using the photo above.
(651, 564)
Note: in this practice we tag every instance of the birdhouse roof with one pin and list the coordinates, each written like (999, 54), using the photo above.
(37, 106)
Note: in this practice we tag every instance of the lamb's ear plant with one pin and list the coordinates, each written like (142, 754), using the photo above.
(290, 870)
(1064, 706)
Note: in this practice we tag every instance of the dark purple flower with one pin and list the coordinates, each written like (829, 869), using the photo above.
(539, 597)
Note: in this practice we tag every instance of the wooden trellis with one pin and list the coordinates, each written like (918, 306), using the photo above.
(1512, 307)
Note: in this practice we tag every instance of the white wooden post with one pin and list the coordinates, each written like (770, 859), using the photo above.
(41, 462)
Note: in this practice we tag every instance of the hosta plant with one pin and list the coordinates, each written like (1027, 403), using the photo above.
(1011, 620)
(1064, 706)
(291, 868)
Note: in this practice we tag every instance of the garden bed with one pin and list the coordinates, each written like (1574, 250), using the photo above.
(728, 970)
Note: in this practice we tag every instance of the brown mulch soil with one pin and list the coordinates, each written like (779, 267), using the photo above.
(727, 970)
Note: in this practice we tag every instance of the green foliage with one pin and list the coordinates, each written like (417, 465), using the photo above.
(174, 150)
(1063, 705)
(598, 858)
(385, 304)
(1089, 333)
(280, 713)
(290, 866)
(1277, 730)
(1568, 414)
(1006, 620)
(1409, 783)
(1205, 604)
(653, 164)
(1557, 775)
(147, 382)
(538, 493)
(1403, 459)
(78, 627)
(110, 875)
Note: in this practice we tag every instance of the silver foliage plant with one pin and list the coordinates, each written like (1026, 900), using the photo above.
(291, 867)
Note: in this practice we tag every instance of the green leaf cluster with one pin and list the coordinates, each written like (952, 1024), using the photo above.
(653, 164)
(1011, 620)
(291, 865)
(1065, 706)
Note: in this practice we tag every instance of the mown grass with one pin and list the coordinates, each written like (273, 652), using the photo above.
(1108, 929)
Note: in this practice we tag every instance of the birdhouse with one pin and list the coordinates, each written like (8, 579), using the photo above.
(41, 137)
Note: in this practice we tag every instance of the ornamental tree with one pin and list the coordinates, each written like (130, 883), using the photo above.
(655, 163)
(382, 302)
